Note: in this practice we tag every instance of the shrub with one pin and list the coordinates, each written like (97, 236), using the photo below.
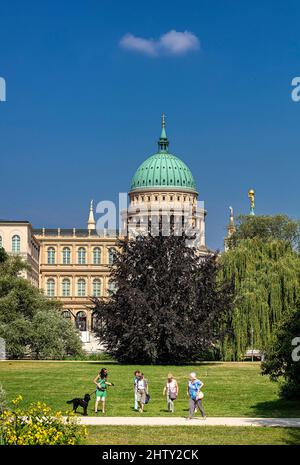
(279, 363)
(96, 357)
(38, 425)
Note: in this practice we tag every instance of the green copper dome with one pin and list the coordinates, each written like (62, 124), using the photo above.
(163, 171)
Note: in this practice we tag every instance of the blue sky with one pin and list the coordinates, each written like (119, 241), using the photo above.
(83, 109)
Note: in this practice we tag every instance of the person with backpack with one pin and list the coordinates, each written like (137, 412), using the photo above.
(171, 390)
(137, 374)
(195, 394)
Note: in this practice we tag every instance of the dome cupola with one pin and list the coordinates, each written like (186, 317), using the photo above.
(163, 170)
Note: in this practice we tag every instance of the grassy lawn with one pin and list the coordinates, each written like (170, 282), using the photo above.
(202, 435)
(232, 389)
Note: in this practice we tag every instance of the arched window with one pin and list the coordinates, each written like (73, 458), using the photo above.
(66, 314)
(97, 287)
(111, 256)
(97, 256)
(50, 287)
(51, 255)
(66, 256)
(81, 287)
(66, 287)
(16, 244)
(81, 321)
(112, 287)
(81, 254)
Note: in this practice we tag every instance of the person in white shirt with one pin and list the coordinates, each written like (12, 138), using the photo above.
(142, 391)
(171, 390)
(137, 374)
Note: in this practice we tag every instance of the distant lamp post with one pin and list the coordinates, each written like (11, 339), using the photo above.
(252, 344)
(2, 349)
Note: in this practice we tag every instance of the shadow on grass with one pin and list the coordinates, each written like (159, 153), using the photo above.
(187, 364)
(277, 408)
(293, 437)
(80, 414)
(99, 362)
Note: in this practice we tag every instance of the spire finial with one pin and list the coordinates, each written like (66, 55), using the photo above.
(163, 142)
(231, 225)
(251, 195)
(91, 220)
(230, 229)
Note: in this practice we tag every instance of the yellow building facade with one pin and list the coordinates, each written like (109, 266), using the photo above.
(74, 266)
(17, 238)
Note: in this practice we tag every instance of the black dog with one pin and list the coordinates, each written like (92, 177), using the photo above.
(77, 402)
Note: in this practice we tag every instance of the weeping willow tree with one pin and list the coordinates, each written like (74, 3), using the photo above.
(266, 276)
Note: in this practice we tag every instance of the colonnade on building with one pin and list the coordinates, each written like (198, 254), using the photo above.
(165, 213)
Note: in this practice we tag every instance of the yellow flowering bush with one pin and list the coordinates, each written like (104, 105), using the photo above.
(38, 425)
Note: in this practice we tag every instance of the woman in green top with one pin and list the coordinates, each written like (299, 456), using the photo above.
(101, 391)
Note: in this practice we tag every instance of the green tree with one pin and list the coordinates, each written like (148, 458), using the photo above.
(266, 275)
(283, 356)
(31, 323)
(167, 305)
(267, 227)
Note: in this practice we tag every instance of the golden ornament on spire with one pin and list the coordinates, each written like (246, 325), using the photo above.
(163, 124)
(251, 196)
(231, 217)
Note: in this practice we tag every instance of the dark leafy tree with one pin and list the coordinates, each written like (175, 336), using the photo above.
(282, 361)
(3, 255)
(167, 305)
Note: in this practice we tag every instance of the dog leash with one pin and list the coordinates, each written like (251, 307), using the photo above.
(93, 392)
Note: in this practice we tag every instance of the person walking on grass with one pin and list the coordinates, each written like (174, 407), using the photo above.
(142, 392)
(101, 391)
(171, 389)
(195, 394)
(137, 374)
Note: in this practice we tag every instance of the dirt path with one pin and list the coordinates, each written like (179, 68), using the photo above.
(196, 421)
